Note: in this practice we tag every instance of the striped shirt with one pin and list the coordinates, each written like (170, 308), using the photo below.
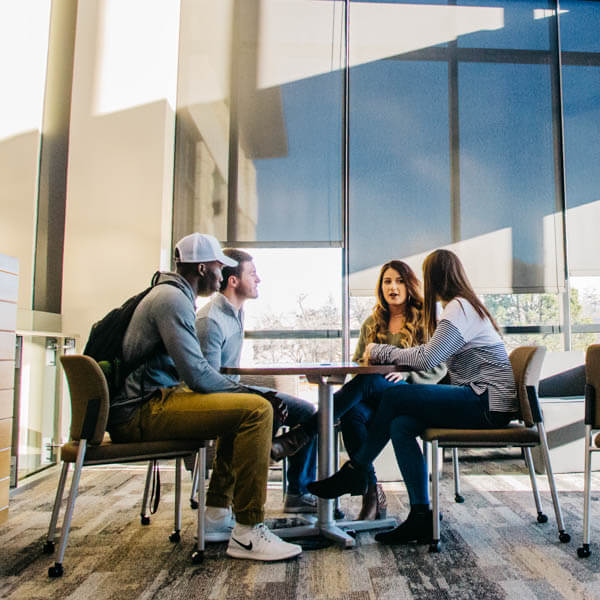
(472, 349)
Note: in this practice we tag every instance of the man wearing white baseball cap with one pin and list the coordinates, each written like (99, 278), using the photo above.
(176, 394)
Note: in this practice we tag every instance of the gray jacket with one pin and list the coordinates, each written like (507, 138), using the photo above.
(220, 329)
(162, 328)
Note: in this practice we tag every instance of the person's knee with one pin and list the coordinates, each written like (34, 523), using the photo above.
(263, 408)
(404, 428)
(353, 417)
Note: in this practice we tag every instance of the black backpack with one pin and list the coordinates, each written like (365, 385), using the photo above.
(105, 343)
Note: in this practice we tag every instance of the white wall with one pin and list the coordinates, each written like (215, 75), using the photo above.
(24, 35)
(119, 189)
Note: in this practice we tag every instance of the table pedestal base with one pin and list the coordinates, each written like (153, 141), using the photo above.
(334, 531)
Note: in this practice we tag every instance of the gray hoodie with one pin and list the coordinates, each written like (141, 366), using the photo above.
(163, 328)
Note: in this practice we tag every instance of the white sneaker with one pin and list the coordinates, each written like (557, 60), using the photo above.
(258, 543)
(219, 528)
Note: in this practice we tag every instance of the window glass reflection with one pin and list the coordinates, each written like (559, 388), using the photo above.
(523, 24)
(506, 163)
(579, 26)
(399, 161)
(287, 103)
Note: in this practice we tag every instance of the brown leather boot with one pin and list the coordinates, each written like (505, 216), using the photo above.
(374, 504)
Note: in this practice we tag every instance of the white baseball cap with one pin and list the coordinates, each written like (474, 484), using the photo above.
(201, 247)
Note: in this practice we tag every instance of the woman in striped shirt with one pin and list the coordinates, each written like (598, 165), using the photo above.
(481, 393)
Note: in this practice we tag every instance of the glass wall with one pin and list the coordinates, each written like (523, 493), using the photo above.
(386, 129)
(580, 44)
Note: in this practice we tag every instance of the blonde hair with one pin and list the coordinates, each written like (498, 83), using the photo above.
(413, 333)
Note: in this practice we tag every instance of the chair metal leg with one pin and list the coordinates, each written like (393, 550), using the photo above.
(284, 481)
(176, 535)
(562, 535)
(195, 479)
(457, 495)
(337, 511)
(435, 498)
(60, 490)
(584, 550)
(198, 553)
(57, 569)
(144, 518)
(541, 517)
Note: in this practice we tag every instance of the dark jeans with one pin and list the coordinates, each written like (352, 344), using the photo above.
(403, 413)
(302, 466)
(355, 405)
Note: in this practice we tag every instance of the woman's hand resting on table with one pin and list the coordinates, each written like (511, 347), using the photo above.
(395, 377)
(366, 357)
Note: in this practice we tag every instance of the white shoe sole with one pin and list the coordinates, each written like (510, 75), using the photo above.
(249, 555)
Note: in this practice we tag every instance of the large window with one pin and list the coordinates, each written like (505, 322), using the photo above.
(380, 129)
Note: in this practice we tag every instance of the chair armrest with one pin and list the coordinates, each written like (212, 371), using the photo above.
(534, 403)
(590, 404)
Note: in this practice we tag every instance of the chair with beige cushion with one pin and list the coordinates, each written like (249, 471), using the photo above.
(526, 363)
(88, 446)
(592, 424)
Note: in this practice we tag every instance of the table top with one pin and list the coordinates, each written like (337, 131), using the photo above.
(322, 369)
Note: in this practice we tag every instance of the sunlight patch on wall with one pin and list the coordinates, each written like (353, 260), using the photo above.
(304, 39)
(24, 32)
(136, 61)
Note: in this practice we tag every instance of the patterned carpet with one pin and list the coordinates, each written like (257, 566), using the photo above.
(493, 548)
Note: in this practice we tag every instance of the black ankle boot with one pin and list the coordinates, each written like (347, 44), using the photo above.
(348, 480)
(418, 527)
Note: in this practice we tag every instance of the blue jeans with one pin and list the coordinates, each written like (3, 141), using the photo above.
(302, 466)
(405, 411)
(355, 405)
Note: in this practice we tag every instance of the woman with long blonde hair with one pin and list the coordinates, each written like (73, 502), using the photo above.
(397, 319)
(481, 394)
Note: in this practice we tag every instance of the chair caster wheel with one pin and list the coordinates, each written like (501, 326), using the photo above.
(458, 499)
(197, 557)
(565, 538)
(56, 570)
(542, 518)
(144, 520)
(193, 504)
(48, 548)
(338, 514)
(435, 547)
(175, 537)
(584, 551)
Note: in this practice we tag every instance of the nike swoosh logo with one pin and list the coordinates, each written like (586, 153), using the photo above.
(245, 546)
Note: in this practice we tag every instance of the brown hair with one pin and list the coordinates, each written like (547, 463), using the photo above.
(412, 334)
(227, 272)
(444, 278)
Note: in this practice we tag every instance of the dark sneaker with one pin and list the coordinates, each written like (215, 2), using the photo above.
(348, 480)
(300, 503)
(288, 443)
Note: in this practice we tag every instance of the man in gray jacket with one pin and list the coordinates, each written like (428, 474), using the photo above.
(176, 394)
(220, 329)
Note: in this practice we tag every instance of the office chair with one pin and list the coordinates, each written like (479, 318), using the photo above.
(88, 446)
(526, 363)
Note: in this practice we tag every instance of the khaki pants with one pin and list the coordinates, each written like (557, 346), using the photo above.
(241, 422)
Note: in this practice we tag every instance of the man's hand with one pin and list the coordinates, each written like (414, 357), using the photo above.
(280, 410)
